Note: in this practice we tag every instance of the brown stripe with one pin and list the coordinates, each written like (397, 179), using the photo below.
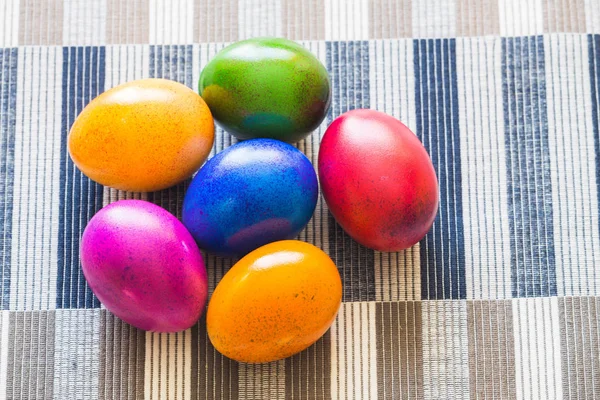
(308, 374)
(399, 350)
(491, 349)
(564, 16)
(127, 21)
(390, 19)
(137, 341)
(213, 376)
(105, 370)
(30, 360)
(262, 381)
(215, 21)
(303, 19)
(477, 18)
(41, 22)
(398, 275)
(580, 350)
(122, 359)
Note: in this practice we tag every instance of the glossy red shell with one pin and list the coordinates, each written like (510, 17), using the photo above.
(378, 180)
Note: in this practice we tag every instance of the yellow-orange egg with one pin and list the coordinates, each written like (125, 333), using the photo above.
(143, 135)
(274, 302)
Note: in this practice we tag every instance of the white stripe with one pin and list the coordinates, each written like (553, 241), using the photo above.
(172, 354)
(537, 349)
(171, 21)
(125, 63)
(76, 354)
(592, 16)
(161, 366)
(84, 23)
(445, 350)
(196, 66)
(4, 349)
(573, 170)
(168, 366)
(392, 86)
(434, 19)
(9, 31)
(353, 352)
(521, 18)
(259, 18)
(186, 365)
(148, 366)
(483, 154)
(346, 19)
(370, 350)
(37, 179)
(392, 79)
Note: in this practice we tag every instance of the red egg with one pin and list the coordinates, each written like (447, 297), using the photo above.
(378, 180)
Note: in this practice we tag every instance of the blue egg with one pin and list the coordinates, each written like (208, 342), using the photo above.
(253, 193)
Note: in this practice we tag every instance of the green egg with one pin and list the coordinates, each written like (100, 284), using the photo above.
(266, 88)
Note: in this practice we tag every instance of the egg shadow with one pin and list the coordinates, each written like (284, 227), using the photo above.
(304, 375)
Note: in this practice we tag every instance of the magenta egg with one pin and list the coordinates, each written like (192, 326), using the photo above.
(144, 266)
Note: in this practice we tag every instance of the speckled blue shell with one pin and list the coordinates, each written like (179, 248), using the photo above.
(253, 193)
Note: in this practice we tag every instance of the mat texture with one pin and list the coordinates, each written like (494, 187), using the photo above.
(499, 301)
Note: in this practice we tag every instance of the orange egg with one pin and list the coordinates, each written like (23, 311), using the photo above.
(274, 302)
(143, 135)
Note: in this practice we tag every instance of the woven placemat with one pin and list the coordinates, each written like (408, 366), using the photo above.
(499, 301)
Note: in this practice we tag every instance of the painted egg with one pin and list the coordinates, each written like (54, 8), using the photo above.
(266, 88)
(253, 193)
(144, 266)
(378, 180)
(142, 136)
(275, 302)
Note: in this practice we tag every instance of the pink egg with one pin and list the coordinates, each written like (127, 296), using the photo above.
(144, 266)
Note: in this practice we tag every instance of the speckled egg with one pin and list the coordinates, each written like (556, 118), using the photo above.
(144, 266)
(266, 88)
(255, 192)
(274, 302)
(142, 136)
(378, 180)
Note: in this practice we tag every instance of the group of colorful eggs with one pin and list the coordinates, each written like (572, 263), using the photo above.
(247, 201)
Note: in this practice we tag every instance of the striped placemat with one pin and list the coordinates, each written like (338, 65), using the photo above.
(499, 301)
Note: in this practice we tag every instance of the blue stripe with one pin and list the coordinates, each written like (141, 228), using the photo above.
(348, 66)
(80, 198)
(175, 63)
(533, 271)
(8, 100)
(594, 62)
(436, 98)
